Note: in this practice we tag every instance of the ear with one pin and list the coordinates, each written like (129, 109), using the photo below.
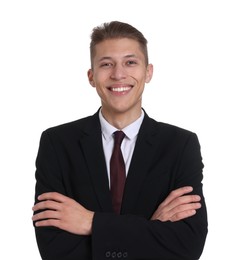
(149, 73)
(90, 77)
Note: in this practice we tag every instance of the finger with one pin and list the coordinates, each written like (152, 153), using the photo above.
(48, 222)
(185, 211)
(47, 214)
(53, 196)
(159, 216)
(47, 204)
(54, 223)
(185, 207)
(177, 193)
(186, 199)
(183, 215)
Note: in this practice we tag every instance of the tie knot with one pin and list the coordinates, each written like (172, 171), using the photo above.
(118, 137)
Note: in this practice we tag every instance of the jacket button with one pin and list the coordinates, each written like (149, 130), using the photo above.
(107, 254)
(113, 254)
(125, 255)
(119, 254)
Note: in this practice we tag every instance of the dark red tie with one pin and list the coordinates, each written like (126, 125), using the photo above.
(117, 172)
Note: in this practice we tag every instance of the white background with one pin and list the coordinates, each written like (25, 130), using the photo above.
(197, 48)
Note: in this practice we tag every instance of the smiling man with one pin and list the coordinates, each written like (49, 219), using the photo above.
(118, 184)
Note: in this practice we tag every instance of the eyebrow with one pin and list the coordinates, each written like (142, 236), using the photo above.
(126, 56)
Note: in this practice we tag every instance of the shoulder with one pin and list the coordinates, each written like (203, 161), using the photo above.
(165, 129)
(166, 133)
(175, 138)
(74, 128)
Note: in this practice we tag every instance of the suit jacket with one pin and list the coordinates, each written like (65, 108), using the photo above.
(71, 161)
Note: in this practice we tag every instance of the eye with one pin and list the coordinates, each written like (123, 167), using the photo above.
(131, 62)
(106, 64)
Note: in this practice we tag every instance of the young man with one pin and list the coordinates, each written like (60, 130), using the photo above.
(159, 212)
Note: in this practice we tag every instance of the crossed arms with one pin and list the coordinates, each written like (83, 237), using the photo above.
(65, 213)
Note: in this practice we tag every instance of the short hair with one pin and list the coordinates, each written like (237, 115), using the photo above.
(116, 29)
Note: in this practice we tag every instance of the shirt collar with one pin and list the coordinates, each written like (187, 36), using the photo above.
(130, 131)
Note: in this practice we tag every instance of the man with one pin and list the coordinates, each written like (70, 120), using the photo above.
(160, 211)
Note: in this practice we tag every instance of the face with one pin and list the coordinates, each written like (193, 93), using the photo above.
(119, 75)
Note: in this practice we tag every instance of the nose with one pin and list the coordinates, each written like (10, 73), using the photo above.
(118, 72)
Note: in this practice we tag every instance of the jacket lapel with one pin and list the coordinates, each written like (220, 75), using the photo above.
(140, 163)
(91, 144)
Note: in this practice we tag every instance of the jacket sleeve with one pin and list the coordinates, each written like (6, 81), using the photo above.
(133, 237)
(54, 243)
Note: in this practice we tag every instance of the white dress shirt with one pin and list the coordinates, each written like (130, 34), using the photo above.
(128, 143)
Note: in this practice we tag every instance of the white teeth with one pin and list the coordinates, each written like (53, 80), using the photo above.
(120, 89)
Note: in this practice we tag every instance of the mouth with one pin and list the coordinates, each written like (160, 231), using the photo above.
(120, 88)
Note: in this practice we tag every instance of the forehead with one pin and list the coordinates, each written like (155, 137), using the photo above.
(118, 48)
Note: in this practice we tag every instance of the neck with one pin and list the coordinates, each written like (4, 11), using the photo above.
(121, 120)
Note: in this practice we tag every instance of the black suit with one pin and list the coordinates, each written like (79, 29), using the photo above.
(71, 161)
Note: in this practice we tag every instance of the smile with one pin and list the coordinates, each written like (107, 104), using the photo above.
(119, 89)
